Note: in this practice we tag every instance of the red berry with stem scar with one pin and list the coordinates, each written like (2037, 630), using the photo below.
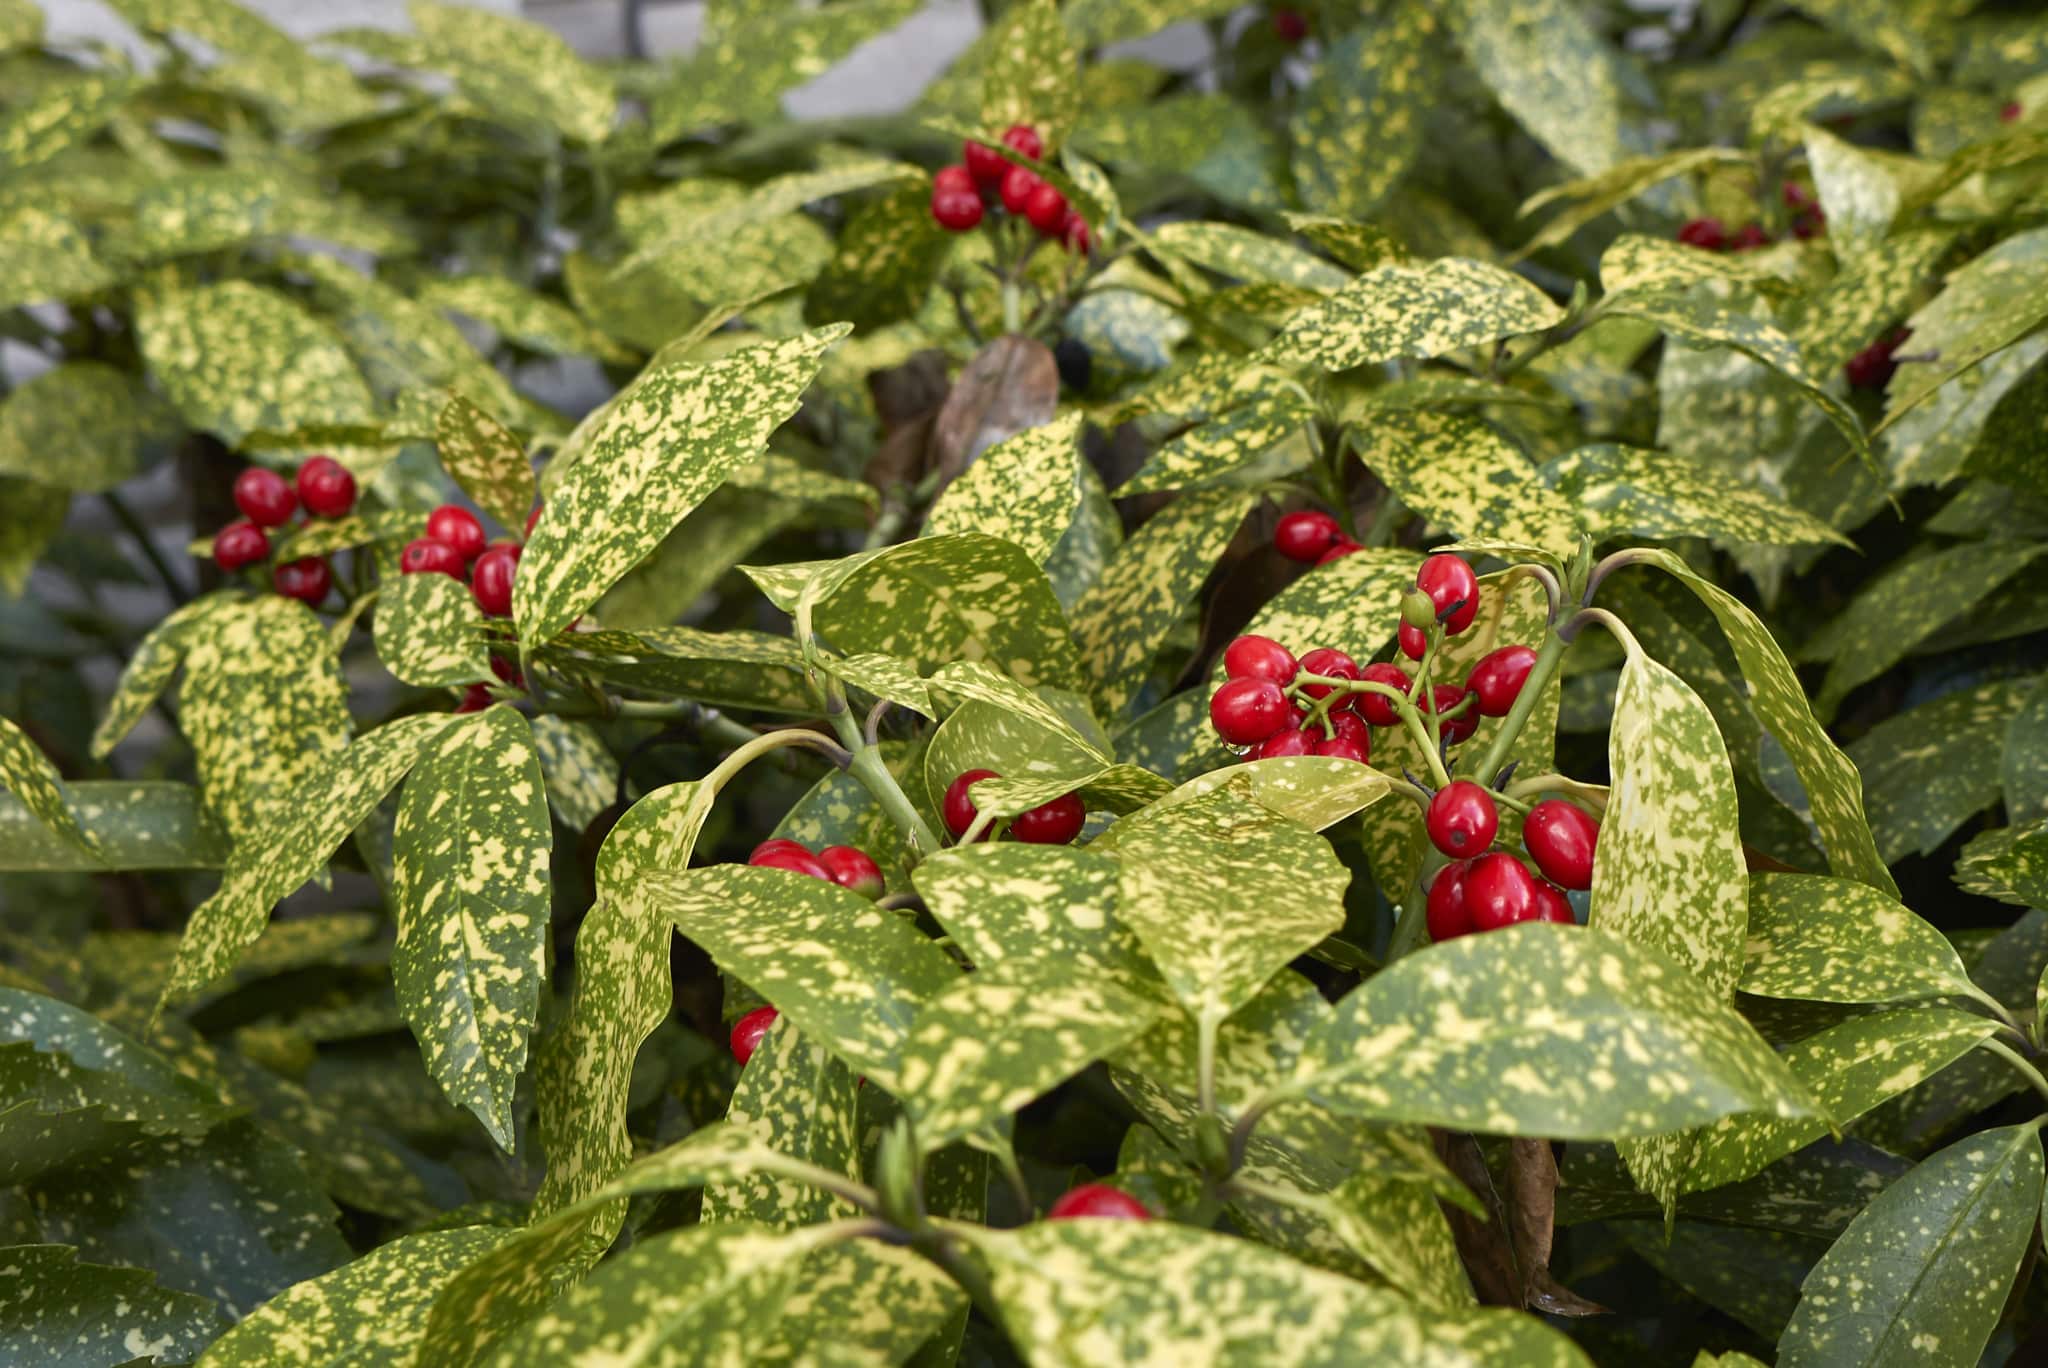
(1306, 536)
(453, 525)
(1561, 838)
(239, 544)
(1462, 819)
(1331, 665)
(264, 497)
(1258, 657)
(326, 488)
(852, 868)
(1453, 588)
(1378, 709)
(957, 808)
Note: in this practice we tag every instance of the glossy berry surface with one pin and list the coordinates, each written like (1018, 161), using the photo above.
(1704, 233)
(1873, 367)
(748, 1030)
(780, 854)
(491, 581)
(1462, 819)
(453, 525)
(1247, 711)
(1047, 209)
(326, 488)
(1331, 664)
(1339, 549)
(239, 544)
(1446, 914)
(1552, 905)
(1348, 725)
(1054, 823)
(957, 808)
(425, 556)
(1442, 699)
(1414, 641)
(1100, 1201)
(1075, 234)
(1498, 678)
(851, 868)
(1023, 139)
(955, 210)
(953, 178)
(1018, 185)
(1453, 588)
(1259, 657)
(1305, 536)
(1499, 892)
(1292, 741)
(1344, 748)
(264, 497)
(306, 580)
(984, 164)
(1378, 709)
(1561, 838)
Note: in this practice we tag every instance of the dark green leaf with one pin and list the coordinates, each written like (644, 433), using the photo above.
(66, 1314)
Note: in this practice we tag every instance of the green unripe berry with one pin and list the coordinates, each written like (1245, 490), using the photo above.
(1418, 610)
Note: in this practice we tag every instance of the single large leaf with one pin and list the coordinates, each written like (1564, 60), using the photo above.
(76, 1061)
(1922, 1274)
(1629, 491)
(63, 1313)
(1359, 123)
(486, 460)
(1415, 311)
(1222, 447)
(887, 258)
(1549, 68)
(153, 824)
(82, 426)
(631, 485)
(1984, 306)
(1931, 768)
(59, 117)
(519, 68)
(1463, 476)
(1835, 940)
(1029, 73)
(231, 207)
(1024, 490)
(805, 1103)
(1543, 1030)
(28, 775)
(429, 631)
(2009, 864)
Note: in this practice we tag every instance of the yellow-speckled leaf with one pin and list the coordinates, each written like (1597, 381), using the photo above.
(849, 974)
(1918, 33)
(1098, 22)
(517, 68)
(1460, 473)
(406, 349)
(1587, 198)
(1203, 885)
(206, 211)
(147, 824)
(985, 1045)
(1399, 310)
(1216, 141)
(371, 1310)
(1029, 73)
(1353, 604)
(803, 1102)
(698, 233)
(1074, 1294)
(1984, 306)
(1549, 68)
(582, 776)
(1929, 769)
(82, 426)
(1218, 448)
(668, 441)
(291, 847)
(2009, 864)
(1822, 939)
(885, 263)
(257, 59)
(31, 515)
(429, 631)
(62, 1311)
(1361, 246)
(1246, 255)
(150, 669)
(486, 460)
(1318, 791)
(1024, 489)
(1834, 791)
(58, 118)
(882, 677)
(521, 316)
(1635, 492)
(1922, 1273)
(235, 358)
(1126, 615)
(1555, 1031)
(864, 1302)
(470, 859)
(28, 774)
(737, 669)
(733, 76)
(1358, 124)
(44, 256)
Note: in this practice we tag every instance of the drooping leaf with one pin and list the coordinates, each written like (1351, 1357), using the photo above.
(2010, 864)
(1462, 475)
(207, 211)
(46, 257)
(521, 316)
(31, 515)
(1984, 306)
(1024, 489)
(1400, 310)
(582, 777)
(886, 261)
(71, 1314)
(2024, 768)
(429, 631)
(258, 59)
(61, 117)
(1246, 255)
(1219, 448)
(28, 775)
(1358, 125)
(82, 426)
(486, 460)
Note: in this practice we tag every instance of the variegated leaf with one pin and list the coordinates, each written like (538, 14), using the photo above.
(1246, 255)
(1024, 489)
(75, 1061)
(1400, 310)
(228, 207)
(28, 774)
(82, 426)
(582, 777)
(149, 824)
(1352, 604)
(1219, 448)
(763, 217)
(257, 59)
(470, 855)
(738, 668)
(1632, 491)
(1317, 791)
(1835, 940)
(804, 1103)
(150, 669)
(66, 1313)
(1589, 197)
(2009, 864)
(521, 316)
(1931, 768)
(1461, 474)
(1985, 305)
(629, 487)
(1029, 73)
(2024, 767)
(31, 515)
(1923, 1273)
(1549, 68)
(292, 846)
(1543, 1030)
(511, 65)
(865, 1302)
(885, 263)
(58, 118)
(429, 631)
(1358, 125)
(486, 460)
(45, 257)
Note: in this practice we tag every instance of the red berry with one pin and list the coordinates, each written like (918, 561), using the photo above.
(1561, 838)
(1499, 892)
(953, 178)
(1097, 1200)
(306, 580)
(1023, 139)
(984, 164)
(1339, 549)
(1414, 642)
(1349, 726)
(507, 671)
(1873, 367)
(1796, 196)
(1305, 536)
(1290, 24)
(1810, 224)
(1498, 678)
(852, 869)
(326, 488)
(1442, 699)
(1074, 233)
(1378, 709)
(1462, 819)
(748, 1030)
(1054, 823)
(475, 698)
(1344, 748)
(957, 809)
(1453, 588)
(956, 210)
(1247, 711)
(1293, 741)
(1552, 905)
(2010, 112)
(1047, 210)
(1704, 233)
(1258, 657)
(1331, 665)
(425, 556)
(788, 855)
(457, 527)
(1750, 236)
(264, 497)
(491, 582)
(1018, 187)
(239, 544)
(1448, 917)
(531, 519)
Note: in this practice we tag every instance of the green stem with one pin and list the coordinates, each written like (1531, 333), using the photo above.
(943, 1249)
(867, 766)
(133, 526)
(824, 1179)
(1206, 1024)
(2012, 1057)
(1998, 1009)
(1547, 660)
(1411, 716)
(1579, 621)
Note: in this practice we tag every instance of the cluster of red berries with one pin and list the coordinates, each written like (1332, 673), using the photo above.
(1873, 367)
(455, 545)
(962, 191)
(1312, 538)
(1484, 889)
(848, 866)
(268, 501)
(1809, 220)
(1053, 823)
